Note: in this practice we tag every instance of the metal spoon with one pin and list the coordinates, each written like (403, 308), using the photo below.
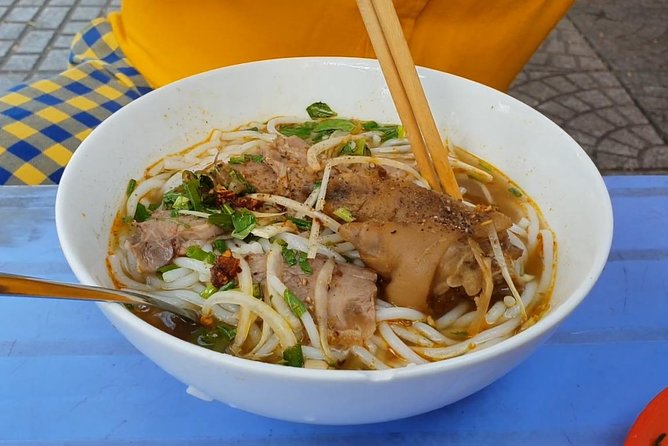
(11, 284)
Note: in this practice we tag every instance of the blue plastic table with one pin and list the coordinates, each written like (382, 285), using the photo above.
(67, 377)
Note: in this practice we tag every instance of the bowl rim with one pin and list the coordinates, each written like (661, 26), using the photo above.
(543, 326)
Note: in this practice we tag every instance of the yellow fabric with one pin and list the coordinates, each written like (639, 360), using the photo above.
(485, 40)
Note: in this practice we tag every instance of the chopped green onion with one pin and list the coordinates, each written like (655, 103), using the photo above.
(220, 245)
(293, 257)
(296, 305)
(208, 291)
(197, 253)
(289, 256)
(217, 339)
(293, 356)
(164, 269)
(301, 223)
(141, 214)
(344, 214)
(236, 160)
(320, 110)
(132, 184)
(244, 222)
(229, 285)
(304, 263)
(246, 157)
(254, 158)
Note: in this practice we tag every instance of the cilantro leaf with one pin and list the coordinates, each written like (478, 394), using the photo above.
(320, 110)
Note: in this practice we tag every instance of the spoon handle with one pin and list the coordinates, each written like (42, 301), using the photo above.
(33, 287)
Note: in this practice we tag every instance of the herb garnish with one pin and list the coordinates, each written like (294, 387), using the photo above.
(320, 110)
(296, 305)
(293, 356)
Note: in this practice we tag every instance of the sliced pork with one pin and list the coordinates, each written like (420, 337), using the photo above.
(351, 313)
(282, 171)
(156, 241)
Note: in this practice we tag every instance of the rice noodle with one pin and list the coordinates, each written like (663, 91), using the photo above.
(299, 207)
(382, 150)
(310, 352)
(448, 318)
(432, 334)
(464, 320)
(194, 213)
(311, 330)
(470, 344)
(277, 288)
(310, 200)
(316, 149)
(395, 313)
(501, 262)
(395, 142)
(245, 280)
(228, 153)
(495, 312)
(368, 359)
(182, 282)
(268, 347)
(172, 275)
(398, 345)
(315, 364)
(301, 244)
(529, 292)
(381, 161)
(193, 264)
(471, 171)
(532, 228)
(212, 142)
(482, 301)
(268, 231)
(411, 336)
(269, 315)
(280, 120)
(250, 134)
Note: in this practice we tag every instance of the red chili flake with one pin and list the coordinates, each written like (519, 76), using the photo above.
(246, 202)
(224, 269)
(223, 195)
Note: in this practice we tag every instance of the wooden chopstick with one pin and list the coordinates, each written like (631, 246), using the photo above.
(398, 93)
(391, 48)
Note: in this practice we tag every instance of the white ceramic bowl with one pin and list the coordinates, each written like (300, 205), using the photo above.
(531, 149)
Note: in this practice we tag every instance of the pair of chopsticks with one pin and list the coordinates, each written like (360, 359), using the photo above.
(391, 48)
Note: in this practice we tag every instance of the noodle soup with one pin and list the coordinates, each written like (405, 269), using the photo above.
(316, 243)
